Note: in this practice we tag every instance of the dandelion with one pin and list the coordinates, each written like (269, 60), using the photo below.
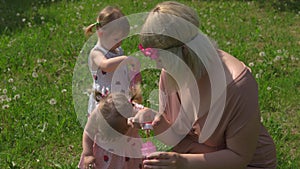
(228, 43)
(14, 88)
(52, 101)
(3, 97)
(251, 64)
(6, 106)
(257, 76)
(262, 54)
(8, 99)
(64, 90)
(42, 18)
(269, 88)
(23, 20)
(11, 80)
(35, 75)
(37, 160)
(293, 58)
(277, 58)
(17, 96)
(18, 14)
(279, 51)
(4, 91)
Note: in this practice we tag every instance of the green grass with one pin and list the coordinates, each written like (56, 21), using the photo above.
(44, 38)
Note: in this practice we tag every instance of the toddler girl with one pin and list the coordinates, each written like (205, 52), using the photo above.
(107, 54)
(108, 122)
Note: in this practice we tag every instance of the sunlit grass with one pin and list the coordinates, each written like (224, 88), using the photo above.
(40, 42)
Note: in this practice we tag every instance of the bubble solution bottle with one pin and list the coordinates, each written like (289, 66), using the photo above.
(147, 147)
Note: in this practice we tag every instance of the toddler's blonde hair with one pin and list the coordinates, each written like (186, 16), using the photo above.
(107, 15)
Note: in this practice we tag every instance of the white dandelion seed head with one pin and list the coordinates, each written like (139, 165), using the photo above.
(269, 88)
(35, 75)
(6, 106)
(8, 99)
(17, 96)
(23, 20)
(257, 76)
(14, 88)
(64, 90)
(251, 64)
(52, 101)
(262, 54)
(277, 58)
(11, 80)
(4, 91)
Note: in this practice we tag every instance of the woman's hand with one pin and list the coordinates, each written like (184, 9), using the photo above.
(145, 115)
(164, 160)
(88, 162)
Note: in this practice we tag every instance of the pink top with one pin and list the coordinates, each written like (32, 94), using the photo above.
(237, 131)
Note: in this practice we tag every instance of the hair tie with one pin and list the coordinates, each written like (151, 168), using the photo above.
(98, 24)
(149, 52)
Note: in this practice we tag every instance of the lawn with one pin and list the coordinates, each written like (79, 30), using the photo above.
(41, 43)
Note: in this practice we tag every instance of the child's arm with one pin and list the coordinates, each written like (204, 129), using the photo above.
(88, 140)
(88, 157)
(106, 65)
(87, 145)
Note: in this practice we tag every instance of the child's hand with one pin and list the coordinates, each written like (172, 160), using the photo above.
(88, 162)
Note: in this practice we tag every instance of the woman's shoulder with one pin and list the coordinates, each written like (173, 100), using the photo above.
(233, 67)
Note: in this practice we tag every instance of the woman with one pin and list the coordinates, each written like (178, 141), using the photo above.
(209, 106)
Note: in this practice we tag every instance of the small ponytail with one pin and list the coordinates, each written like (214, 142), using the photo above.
(106, 15)
(89, 30)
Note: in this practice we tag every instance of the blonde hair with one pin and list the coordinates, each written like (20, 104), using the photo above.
(169, 26)
(115, 109)
(107, 15)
